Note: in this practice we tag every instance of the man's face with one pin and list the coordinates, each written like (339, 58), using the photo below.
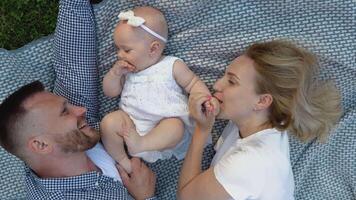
(62, 123)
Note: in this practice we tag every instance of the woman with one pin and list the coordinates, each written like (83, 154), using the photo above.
(269, 90)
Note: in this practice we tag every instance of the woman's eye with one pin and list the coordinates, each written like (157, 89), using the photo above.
(127, 51)
(231, 82)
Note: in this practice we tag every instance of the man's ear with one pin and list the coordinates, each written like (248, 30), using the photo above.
(40, 144)
(155, 48)
(265, 100)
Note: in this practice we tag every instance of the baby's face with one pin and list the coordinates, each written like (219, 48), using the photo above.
(132, 46)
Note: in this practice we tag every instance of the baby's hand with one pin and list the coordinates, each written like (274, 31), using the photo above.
(212, 106)
(214, 102)
(122, 67)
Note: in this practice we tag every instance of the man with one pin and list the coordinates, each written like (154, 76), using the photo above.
(51, 135)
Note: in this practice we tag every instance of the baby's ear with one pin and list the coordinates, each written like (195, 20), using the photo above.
(155, 48)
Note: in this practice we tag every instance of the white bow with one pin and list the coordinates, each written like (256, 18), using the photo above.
(138, 22)
(131, 18)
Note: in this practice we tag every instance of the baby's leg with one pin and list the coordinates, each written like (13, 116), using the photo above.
(165, 135)
(112, 125)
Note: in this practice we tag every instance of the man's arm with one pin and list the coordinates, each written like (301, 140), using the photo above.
(140, 182)
(75, 56)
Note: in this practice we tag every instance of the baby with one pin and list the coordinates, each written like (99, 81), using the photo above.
(151, 87)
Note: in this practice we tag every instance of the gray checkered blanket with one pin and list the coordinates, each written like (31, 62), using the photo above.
(208, 34)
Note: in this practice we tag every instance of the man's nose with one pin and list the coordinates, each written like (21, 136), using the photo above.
(79, 111)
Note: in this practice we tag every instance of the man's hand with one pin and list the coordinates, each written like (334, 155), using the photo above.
(140, 182)
(122, 67)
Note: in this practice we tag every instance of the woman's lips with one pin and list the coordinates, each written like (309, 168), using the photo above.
(218, 96)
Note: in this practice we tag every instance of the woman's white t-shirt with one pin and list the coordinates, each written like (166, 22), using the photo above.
(255, 167)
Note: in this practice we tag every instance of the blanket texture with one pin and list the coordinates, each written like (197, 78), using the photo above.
(207, 35)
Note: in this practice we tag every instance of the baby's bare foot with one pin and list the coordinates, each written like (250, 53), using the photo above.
(134, 142)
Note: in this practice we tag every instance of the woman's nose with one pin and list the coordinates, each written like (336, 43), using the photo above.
(217, 85)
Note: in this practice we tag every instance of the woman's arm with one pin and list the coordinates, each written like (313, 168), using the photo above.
(192, 162)
(193, 182)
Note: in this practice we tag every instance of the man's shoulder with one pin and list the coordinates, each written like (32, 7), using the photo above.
(93, 184)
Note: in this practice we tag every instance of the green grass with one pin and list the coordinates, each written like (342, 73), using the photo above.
(22, 21)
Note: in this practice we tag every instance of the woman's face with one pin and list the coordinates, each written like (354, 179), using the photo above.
(236, 90)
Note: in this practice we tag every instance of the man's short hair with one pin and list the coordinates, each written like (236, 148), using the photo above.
(11, 111)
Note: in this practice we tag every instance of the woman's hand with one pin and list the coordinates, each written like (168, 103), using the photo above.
(203, 110)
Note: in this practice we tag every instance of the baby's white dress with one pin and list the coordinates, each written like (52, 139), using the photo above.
(152, 95)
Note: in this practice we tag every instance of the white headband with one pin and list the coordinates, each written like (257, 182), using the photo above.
(138, 22)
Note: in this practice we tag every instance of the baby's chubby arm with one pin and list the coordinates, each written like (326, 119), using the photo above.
(114, 80)
(187, 79)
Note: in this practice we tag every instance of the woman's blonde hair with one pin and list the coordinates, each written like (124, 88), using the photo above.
(301, 104)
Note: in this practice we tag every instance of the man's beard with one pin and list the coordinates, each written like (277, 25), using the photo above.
(78, 141)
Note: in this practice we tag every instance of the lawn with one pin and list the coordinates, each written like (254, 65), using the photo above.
(22, 21)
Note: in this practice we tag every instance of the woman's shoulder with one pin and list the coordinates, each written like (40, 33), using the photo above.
(251, 167)
(254, 158)
(252, 162)
(266, 140)
(260, 149)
